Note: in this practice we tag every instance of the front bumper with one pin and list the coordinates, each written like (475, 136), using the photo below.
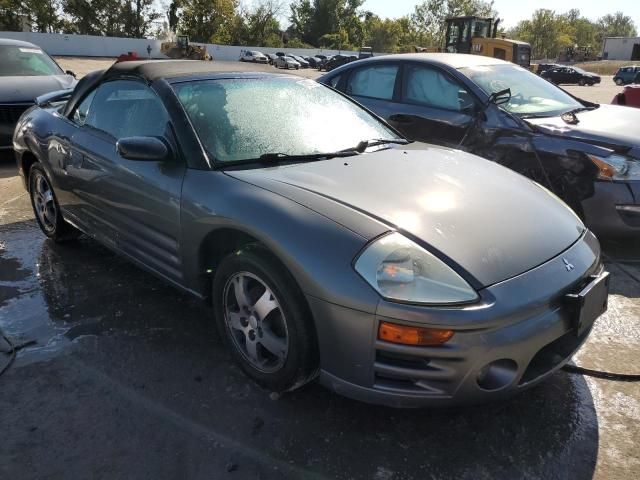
(522, 324)
(614, 209)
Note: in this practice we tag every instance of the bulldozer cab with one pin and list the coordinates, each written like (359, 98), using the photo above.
(182, 41)
(477, 36)
(462, 30)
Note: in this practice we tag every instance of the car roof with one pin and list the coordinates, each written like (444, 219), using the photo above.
(152, 70)
(454, 60)
(17, 43)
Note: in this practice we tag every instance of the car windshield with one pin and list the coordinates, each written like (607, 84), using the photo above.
(531, 95)
(310, 118)
(26, 61)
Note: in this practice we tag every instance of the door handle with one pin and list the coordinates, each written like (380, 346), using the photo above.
(400, 118)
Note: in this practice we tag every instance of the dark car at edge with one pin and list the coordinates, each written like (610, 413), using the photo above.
(26, 72)
(585, 153)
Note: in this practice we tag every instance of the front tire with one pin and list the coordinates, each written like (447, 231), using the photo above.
(46, 208)
(264, 320)
(618, 81)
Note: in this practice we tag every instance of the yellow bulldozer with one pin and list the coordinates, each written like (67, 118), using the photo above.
(181, 48)
(478, 36)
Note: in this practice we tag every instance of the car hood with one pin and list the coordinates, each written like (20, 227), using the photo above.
(607, 125)
(491, 221)
(26, 89)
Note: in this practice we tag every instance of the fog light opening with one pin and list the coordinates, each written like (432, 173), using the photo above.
(497, 374)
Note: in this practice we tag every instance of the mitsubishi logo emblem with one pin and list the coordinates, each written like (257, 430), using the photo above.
(569, 266)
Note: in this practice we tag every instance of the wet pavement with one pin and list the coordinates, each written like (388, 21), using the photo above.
(129, 379)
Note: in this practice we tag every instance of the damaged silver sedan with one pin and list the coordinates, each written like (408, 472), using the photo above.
(328, 245)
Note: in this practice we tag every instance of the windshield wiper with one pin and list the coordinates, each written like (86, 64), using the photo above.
(285, 157)
(363, 145)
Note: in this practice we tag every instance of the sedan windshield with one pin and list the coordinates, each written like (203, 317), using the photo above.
(302, 118)
(26, 61)
(531, 95)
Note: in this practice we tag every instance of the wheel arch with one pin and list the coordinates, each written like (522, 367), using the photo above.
(223, 241)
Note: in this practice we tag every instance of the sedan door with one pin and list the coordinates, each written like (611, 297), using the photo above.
(375, 87)
(131, 205)
(436, 108)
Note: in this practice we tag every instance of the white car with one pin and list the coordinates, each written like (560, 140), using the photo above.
(286, 62)
(254, 57)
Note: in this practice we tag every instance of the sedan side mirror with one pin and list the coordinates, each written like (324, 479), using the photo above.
(501, 97)
(142, 148)
(70, 72)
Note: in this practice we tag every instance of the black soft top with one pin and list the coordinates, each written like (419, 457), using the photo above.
(148, 70)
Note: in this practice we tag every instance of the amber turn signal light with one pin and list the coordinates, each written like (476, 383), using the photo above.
(394, 333)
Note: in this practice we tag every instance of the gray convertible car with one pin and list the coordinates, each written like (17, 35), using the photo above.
(328, 245)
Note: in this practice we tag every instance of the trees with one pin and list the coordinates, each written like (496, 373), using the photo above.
(616, 25)
(550, 33)
(338, 24)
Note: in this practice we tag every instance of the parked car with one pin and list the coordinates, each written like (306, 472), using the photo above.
(629, 97)
(286, 62)
(303, 63)
(336, 61)
(325, 248)
(587, 154)
(543, 67)
(313, 61)
(254, 57)
(323, 61)
(271, 57)
(626, 75)
(26, 72)
(570, 75)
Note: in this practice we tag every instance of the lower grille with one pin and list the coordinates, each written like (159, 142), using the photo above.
(10, 113)
(408, 373)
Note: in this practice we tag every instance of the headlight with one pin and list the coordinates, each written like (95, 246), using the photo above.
(400, 270)
(616, 167)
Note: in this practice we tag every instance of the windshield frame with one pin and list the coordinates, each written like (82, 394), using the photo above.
(554, 113)
(215, 164)
(49, 58)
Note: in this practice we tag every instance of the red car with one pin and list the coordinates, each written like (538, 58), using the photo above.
(630, 96)
(128, 57)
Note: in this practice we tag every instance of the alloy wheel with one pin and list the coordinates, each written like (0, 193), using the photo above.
(44, 203)
(256, 322)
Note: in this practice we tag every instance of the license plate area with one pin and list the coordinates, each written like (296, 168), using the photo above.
(589, 303)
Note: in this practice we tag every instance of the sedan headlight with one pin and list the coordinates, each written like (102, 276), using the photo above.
(616, 167)
(400, 270)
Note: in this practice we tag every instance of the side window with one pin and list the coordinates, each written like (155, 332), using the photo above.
(375, 82)
(80, 115)
(430, 87)
(125, 108)
(334, 81)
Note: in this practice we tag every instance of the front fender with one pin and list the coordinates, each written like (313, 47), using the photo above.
(317, 251)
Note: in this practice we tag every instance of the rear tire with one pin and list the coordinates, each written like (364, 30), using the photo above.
(46, 208)
(582, 82)
(262, 316)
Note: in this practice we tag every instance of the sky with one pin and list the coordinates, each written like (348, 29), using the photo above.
(512, 11)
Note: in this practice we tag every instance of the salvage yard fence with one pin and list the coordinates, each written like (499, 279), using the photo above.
(69, 45)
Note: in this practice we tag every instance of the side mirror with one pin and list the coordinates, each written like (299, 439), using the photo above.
(501, 97)
(70, 72)
(142, 148)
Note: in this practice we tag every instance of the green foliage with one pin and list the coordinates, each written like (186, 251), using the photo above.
(336, 24)
(550, 34)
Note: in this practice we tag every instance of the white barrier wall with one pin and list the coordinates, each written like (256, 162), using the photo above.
(93, 46)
